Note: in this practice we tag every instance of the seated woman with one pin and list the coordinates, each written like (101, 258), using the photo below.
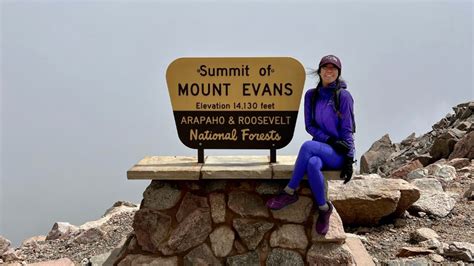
(329, 119)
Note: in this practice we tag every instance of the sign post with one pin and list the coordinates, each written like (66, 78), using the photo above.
(235, 103)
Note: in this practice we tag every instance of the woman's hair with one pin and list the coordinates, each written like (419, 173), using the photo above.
(316, 72)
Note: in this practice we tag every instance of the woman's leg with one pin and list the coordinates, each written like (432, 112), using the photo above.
(330, 160)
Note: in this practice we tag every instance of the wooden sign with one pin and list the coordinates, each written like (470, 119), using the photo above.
(235, 103)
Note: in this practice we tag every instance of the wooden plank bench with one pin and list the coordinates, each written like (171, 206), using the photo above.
(216, 167)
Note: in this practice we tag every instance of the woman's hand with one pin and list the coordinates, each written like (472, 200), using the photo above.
(347, 170)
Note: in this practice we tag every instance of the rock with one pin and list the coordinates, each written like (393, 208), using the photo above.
(269, 188)
(201, 255)
(377, 155)
(297, 212)
(438, 204)
(358, 251)
(117, 206)
(403, 171)
(283, 257)
(61, 230)
(365, 202)
(433, 244)
(336, 229)
(151, 228)
(192, 231)
(289, 236)
(58, 262)
(222, 240)
(428, 184)
(413, 251)
(30, 241)
(103, 259)
(329, 254)
(436, 258)
(461, 250)
(446, 172)
(432, 200)
(464, 148)
(469, 194)
(459, 163)
(12, 255)
(433, 168)
(251, 231)
(91, 235)
(239, 247)
(418, 173)
(214, 185)
(189, 204)
(365, 176)
(218, 207)
(4, 245)
(161, 195)
(136, 259)
(423, 234)
(248, 259)
(247, 204)
(407, 262)
(443, 145)
(408, 140)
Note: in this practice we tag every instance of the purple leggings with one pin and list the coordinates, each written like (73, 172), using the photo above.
(312, 158)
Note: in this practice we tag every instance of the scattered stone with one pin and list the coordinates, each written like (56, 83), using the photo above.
(403, 171)
(459, 163)
(464, 148)
(4, 245)
(469, 194)
(413, 251)
(423, 234)
(189, 204)
(297, 212)
(461, 250)
(247, 204)
(407, 262)
(248, 259)
(436, 258)
(218, 207)
(433, 244)
(283, 257)
(90, 236)
(329, 254)
(151, 228)
(251, 231)
(291, 236)
(32, 241)
(399, 222)
(432, 200)
(444, 145)
(161, 195)
(136, 259)
(59, 262)
(378, 153)
(117, 207)
(446, 172)
(222, 240)
(201, 255)
(418, 173)
(61, 230)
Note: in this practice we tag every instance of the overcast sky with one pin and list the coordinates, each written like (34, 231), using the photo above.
(84, 94)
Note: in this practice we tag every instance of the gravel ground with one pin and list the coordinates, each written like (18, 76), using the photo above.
(385, 241)
(118, 228)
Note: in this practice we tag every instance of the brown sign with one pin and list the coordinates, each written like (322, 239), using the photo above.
(235, 103)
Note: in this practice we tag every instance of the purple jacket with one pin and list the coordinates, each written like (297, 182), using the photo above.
(327, 121)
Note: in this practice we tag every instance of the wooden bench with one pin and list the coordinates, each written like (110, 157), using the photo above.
(216, 167)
